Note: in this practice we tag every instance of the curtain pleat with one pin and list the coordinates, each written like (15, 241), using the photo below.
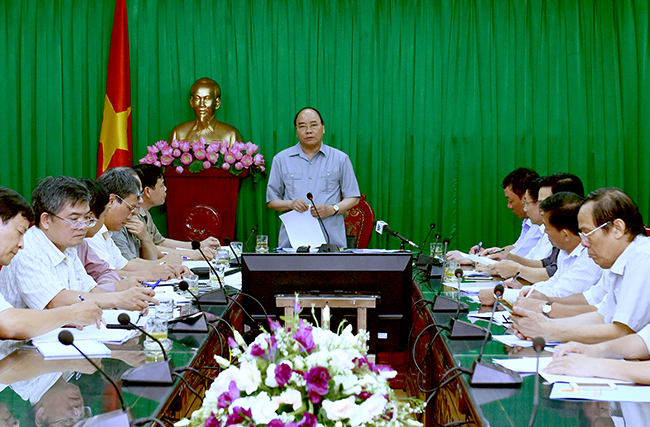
(434, 101)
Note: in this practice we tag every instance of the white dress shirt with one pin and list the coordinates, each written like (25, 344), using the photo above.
(105, 248)
(576, 273)
(4, 304)
(543, 247)
(621, 294)
(530, 235)
(40, 271)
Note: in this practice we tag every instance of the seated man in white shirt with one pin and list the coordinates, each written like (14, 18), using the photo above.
(154, 193)
(124, 189)
(514, 187)
(612, 230)
(539, 265)
(16, 323)
(576, 271)
(48, 272)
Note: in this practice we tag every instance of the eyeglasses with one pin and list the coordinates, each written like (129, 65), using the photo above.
(134, 209)
(78, 224)
(73, 416)
(314, 126)
(585, 237)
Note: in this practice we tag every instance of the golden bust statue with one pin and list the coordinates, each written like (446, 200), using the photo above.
(205, 98)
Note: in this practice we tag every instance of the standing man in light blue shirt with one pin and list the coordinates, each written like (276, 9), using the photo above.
(313, 167)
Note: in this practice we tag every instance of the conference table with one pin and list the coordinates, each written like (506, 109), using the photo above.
(457, 403)
(28, 383)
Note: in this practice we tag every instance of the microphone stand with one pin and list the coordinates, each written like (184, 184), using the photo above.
(195, 322)
(425, 259)
(486, 374)
(464, 330)
(229, 243)
(325, 247)
(249, 237)
(538, 345)
(443, 304)
(218, 296)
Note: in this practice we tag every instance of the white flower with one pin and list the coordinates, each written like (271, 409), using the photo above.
(291, 397)
(182, 423)
(349, 382)
(369, 409)
(221, 361)
(238, 338)
(221, 383)
(270, 376)
(261, 406)
(340, 409)
(250, 377)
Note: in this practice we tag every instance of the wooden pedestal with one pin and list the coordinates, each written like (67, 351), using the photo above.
(213, 188)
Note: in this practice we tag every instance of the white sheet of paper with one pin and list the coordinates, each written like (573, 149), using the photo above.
(619, 393)
(302, 229)
(89, 332)
(56, 350)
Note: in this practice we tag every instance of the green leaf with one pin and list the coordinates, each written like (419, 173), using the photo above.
(196, 166)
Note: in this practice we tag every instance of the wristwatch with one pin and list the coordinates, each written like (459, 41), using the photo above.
(546, 308)
(336, 209)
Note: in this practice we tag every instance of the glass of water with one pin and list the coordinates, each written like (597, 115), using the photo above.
(192, 283)
(220, 263)
(238, 248)
(262, 246)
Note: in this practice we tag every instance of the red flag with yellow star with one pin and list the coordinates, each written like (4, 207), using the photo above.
(115, 141)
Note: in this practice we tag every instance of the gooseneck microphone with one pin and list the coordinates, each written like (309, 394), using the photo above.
(445, 245)
(431, 227)
(325, 247)
(538, 346)
(125, 320)
(228, 242)
(195, 322)
(157, 373)
(485, 374)
(218, 296)
(461, 330)
(66, 338)
(253, 230)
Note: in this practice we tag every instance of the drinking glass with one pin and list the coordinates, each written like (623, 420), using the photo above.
(262, 246)
(238, 248)
(156, 327)
(220, 263)
(165, 308)
(450, 269)
(192, 282)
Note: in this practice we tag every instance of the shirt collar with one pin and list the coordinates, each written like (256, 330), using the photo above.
(296, 150)
(619, 265)
(49, 248)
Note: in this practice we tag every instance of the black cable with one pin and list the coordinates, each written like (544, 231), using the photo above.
(446, 327)
(188, 386)
(216, 331)
(254, 299)
(426, 352)
(191, 369)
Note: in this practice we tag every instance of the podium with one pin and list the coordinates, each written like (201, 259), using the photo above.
(202, 204)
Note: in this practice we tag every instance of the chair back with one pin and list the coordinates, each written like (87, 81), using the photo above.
(359, 223)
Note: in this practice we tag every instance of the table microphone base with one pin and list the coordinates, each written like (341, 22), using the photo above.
(152, 374)
(445, 304)
(485, 374)
(216, 297)
(190, 324)
(466, 331)
(328, 247)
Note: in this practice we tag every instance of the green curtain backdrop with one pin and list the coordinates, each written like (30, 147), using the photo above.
(434, 101)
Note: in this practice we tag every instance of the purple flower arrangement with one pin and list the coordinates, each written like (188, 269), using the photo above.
(301, 375)
(198, 156)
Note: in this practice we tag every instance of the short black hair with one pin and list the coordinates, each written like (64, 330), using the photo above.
(563, 182)
(561, 210)
(53, 193)
(12, 204)
(295, 119)
(519, 179)
(120, 181)
(149, 174)
(611, 203)
(100, 196)
(533, 189)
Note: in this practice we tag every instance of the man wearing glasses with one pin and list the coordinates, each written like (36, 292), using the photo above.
(313, 167)
(48, 273)
(612, 230)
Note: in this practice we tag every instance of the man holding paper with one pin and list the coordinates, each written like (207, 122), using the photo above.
(313, 167)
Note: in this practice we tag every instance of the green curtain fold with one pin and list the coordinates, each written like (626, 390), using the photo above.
(434, 101)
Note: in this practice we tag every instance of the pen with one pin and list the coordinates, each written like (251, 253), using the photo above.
(163, 262)
(514, 279)
(478, 249)
(81, 298)
(495, 252)
(156, 284)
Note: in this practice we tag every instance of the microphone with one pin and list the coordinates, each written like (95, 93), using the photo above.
(445, 244)
(425, 260)
(381, 226)
(216, 297)
(486, 374)
(194, 322)
(118, 418)
(431, 227)
(325, 247)
(228, 242)
(253, 230)
(158, 373)
(538, 345)
(461, 330)
(447, 304)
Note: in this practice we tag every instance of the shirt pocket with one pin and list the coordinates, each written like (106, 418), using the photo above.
(291, 182)
(328, 181)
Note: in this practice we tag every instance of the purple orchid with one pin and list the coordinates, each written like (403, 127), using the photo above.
(228, 397)
(276, 423)
(283, 374)
(317, 383)
(212, 421)
(238, 416)
(232, 343)
(304, 337)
